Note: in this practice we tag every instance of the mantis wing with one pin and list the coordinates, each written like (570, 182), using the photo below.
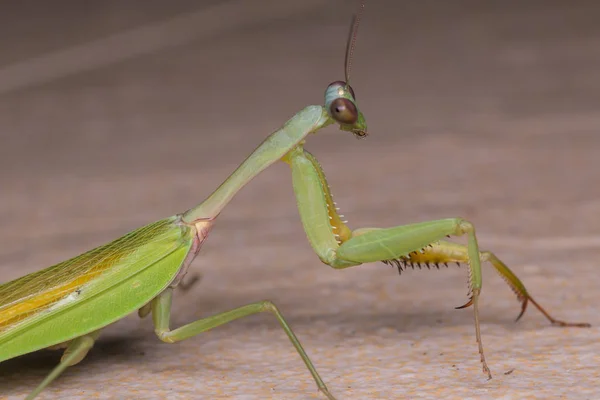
(92, 290)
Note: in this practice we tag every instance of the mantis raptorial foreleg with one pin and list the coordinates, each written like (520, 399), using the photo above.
(340, 247)
(161, 315)
(444, 252)
(76, 351)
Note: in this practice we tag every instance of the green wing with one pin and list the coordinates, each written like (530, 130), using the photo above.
(91, 290)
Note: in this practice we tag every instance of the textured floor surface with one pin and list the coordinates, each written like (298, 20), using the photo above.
(114, 116)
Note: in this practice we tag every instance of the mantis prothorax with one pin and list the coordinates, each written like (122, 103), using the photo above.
(66, 305)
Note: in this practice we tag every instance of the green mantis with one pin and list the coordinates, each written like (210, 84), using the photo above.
(68, 304)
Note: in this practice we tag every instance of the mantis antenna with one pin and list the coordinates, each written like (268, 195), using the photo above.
(352, 41)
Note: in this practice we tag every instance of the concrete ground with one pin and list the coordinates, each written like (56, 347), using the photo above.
(114, 115)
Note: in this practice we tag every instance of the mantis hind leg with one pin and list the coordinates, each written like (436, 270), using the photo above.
(443, 252)
(75, 352)
(161, 313)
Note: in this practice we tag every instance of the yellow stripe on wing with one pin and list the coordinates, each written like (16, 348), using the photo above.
(34, 293)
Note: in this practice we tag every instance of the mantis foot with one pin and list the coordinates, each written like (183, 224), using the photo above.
(325, 391)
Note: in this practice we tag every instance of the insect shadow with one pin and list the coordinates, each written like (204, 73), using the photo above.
(24, 372)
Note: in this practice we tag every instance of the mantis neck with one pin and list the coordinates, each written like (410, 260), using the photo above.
(273, 148)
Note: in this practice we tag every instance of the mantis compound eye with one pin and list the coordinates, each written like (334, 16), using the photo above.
(343, 111)
(341, 85)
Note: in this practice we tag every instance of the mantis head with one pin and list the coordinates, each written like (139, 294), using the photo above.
(340, 101)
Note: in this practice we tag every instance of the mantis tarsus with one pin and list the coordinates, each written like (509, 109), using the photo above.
(66, 305)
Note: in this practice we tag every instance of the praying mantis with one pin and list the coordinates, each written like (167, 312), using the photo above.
(68, 304)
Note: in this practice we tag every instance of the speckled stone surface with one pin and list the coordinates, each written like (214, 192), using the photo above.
(489, 112)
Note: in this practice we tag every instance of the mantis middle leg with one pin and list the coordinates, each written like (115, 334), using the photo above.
(161, 315)
(340, 247)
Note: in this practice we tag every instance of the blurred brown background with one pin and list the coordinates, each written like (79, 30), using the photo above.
(117, 113)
